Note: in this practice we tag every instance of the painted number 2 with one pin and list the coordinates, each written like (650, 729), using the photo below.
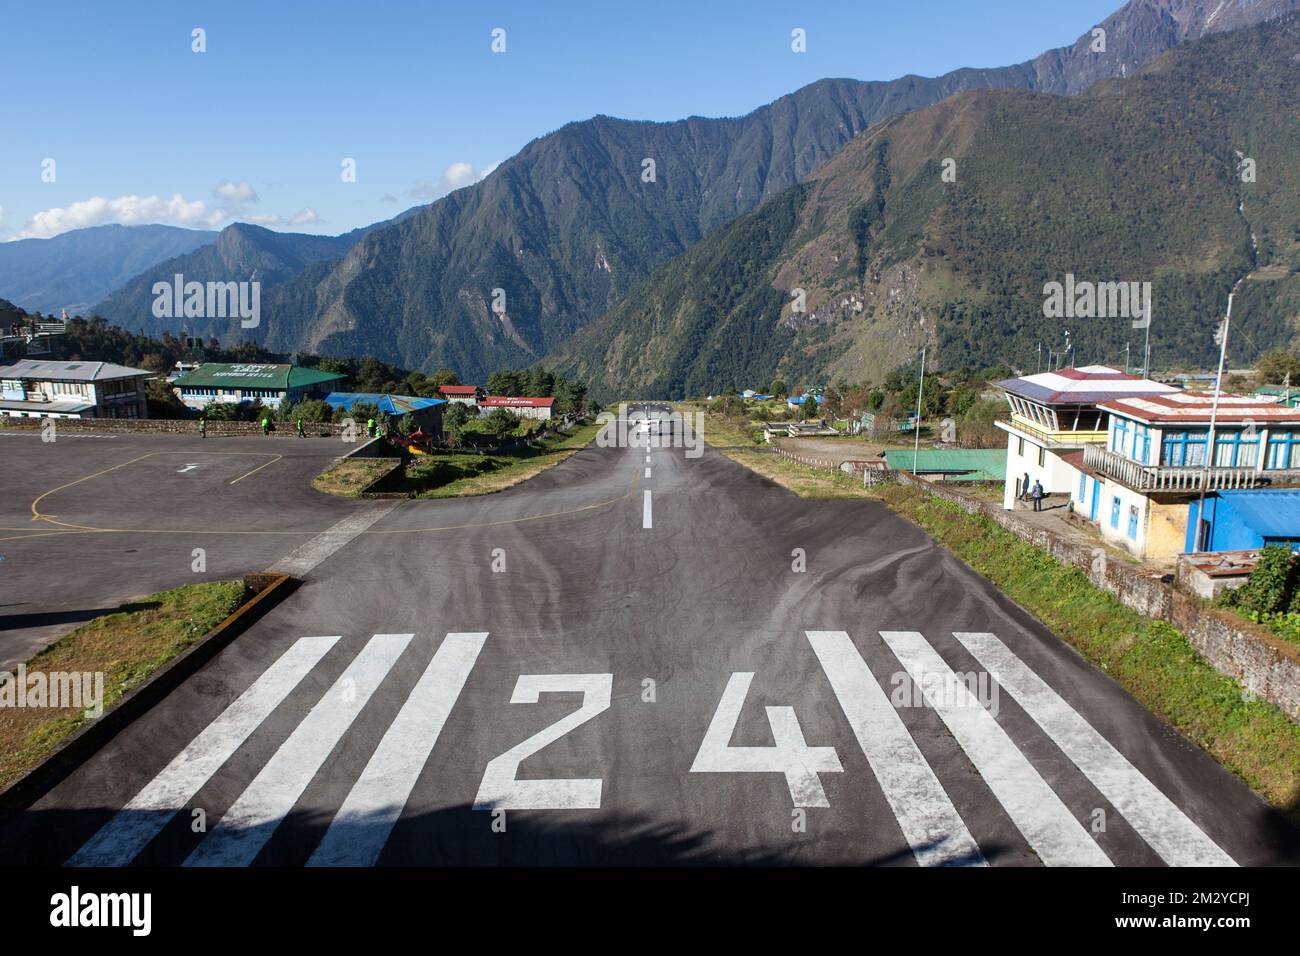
(501, 790)
(790, 755)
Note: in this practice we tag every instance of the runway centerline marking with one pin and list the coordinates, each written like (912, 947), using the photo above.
(647, 517)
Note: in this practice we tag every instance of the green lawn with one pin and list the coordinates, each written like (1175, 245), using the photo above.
(127, 646)
(454, 474)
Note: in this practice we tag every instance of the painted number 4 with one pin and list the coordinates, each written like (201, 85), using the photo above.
(790, 755)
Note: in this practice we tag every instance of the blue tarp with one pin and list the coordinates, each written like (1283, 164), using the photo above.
(389, 404)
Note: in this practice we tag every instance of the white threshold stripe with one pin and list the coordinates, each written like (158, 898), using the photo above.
(647, 518)
(364, 822)
(122, 838)
(244, 829)
(933, 828)
(1156, 818)
(647, 472)
(1038, 813)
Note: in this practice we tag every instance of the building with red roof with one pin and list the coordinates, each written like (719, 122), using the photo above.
(524, 407)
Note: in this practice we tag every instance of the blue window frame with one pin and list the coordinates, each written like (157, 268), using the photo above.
(1235, 449)
(1186, 448)
(1133, 522)
(1119, 436)
(1083, 486)
(1114, 512)
(1141, 443)
(1283, 450)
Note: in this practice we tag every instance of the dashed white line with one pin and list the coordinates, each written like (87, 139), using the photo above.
(646, 521)
(647, 472)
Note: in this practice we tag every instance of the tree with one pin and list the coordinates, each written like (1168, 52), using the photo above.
(444, 376)
(1272, 368)
(162, 400)
(778, 388)
(810, 409)
(455, 421)
(501, 423)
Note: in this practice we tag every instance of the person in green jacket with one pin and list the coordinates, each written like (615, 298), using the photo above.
(266, 425)
(203, 425)
(300, 431)
(370, 428)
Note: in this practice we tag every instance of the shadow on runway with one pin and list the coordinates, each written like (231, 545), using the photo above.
(456, 836)
(48, 618)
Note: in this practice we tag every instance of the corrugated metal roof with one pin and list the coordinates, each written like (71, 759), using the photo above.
(69, 371)
(1271, 513)
(1081, 386)
(255, 375)
(965, 464)
(1195, 408)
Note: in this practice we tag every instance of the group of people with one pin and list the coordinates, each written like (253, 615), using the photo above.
(266, 426)
(1034, 493)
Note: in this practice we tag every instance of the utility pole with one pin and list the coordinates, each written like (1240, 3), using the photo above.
(1040, 356)
(920, 393)
(1126, 359)
(1214, 416)
(1146, 349)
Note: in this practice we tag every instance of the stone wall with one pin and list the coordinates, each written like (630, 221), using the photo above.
(1262, 663)
(177, 426)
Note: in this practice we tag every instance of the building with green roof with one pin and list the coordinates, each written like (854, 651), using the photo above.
(270, 384)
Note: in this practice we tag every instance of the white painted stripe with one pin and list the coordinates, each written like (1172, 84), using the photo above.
(1155, 817)
(253, 817)
(646, 516)
(311, 553)
(1038, 813)
(366, 819)
(931, 824)
(140, 819)
(647, 472)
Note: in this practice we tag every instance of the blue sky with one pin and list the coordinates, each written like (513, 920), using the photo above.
(143, 129)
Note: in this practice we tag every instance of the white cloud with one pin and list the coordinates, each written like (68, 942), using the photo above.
(176, 211)
(235, 194)
(455, 176)
(127, 211)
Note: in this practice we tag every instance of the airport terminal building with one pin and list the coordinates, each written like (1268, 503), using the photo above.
(39, 389)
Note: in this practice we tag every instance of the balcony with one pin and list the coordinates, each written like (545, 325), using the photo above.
(1150, 478)
(1051, 439)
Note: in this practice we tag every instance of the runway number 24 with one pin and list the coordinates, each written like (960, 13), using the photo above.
(790, 755)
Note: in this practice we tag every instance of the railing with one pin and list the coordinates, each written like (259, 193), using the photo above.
(1142, 477)
(1049, 438)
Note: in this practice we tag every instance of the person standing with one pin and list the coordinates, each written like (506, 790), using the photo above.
(1024, 487)
(1037, 495)
(300, 431)
(203, 426)
(266, 425)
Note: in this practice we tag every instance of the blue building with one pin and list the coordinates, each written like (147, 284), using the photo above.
(1244, 520)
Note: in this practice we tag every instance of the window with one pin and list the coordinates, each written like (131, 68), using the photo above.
(1133, 522)
(1183, 449)
(1283, 450)
(1235, 449)
(1042, 456)
(1141, 443)
(1020, 447)
(1083, 486)
(1119, 436)
(1114, 512)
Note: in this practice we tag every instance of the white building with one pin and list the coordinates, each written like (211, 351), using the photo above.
(37, 389)
(1054, 414)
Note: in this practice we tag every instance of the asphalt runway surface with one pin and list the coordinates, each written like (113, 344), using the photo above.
(245, 502)
(640, 658)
